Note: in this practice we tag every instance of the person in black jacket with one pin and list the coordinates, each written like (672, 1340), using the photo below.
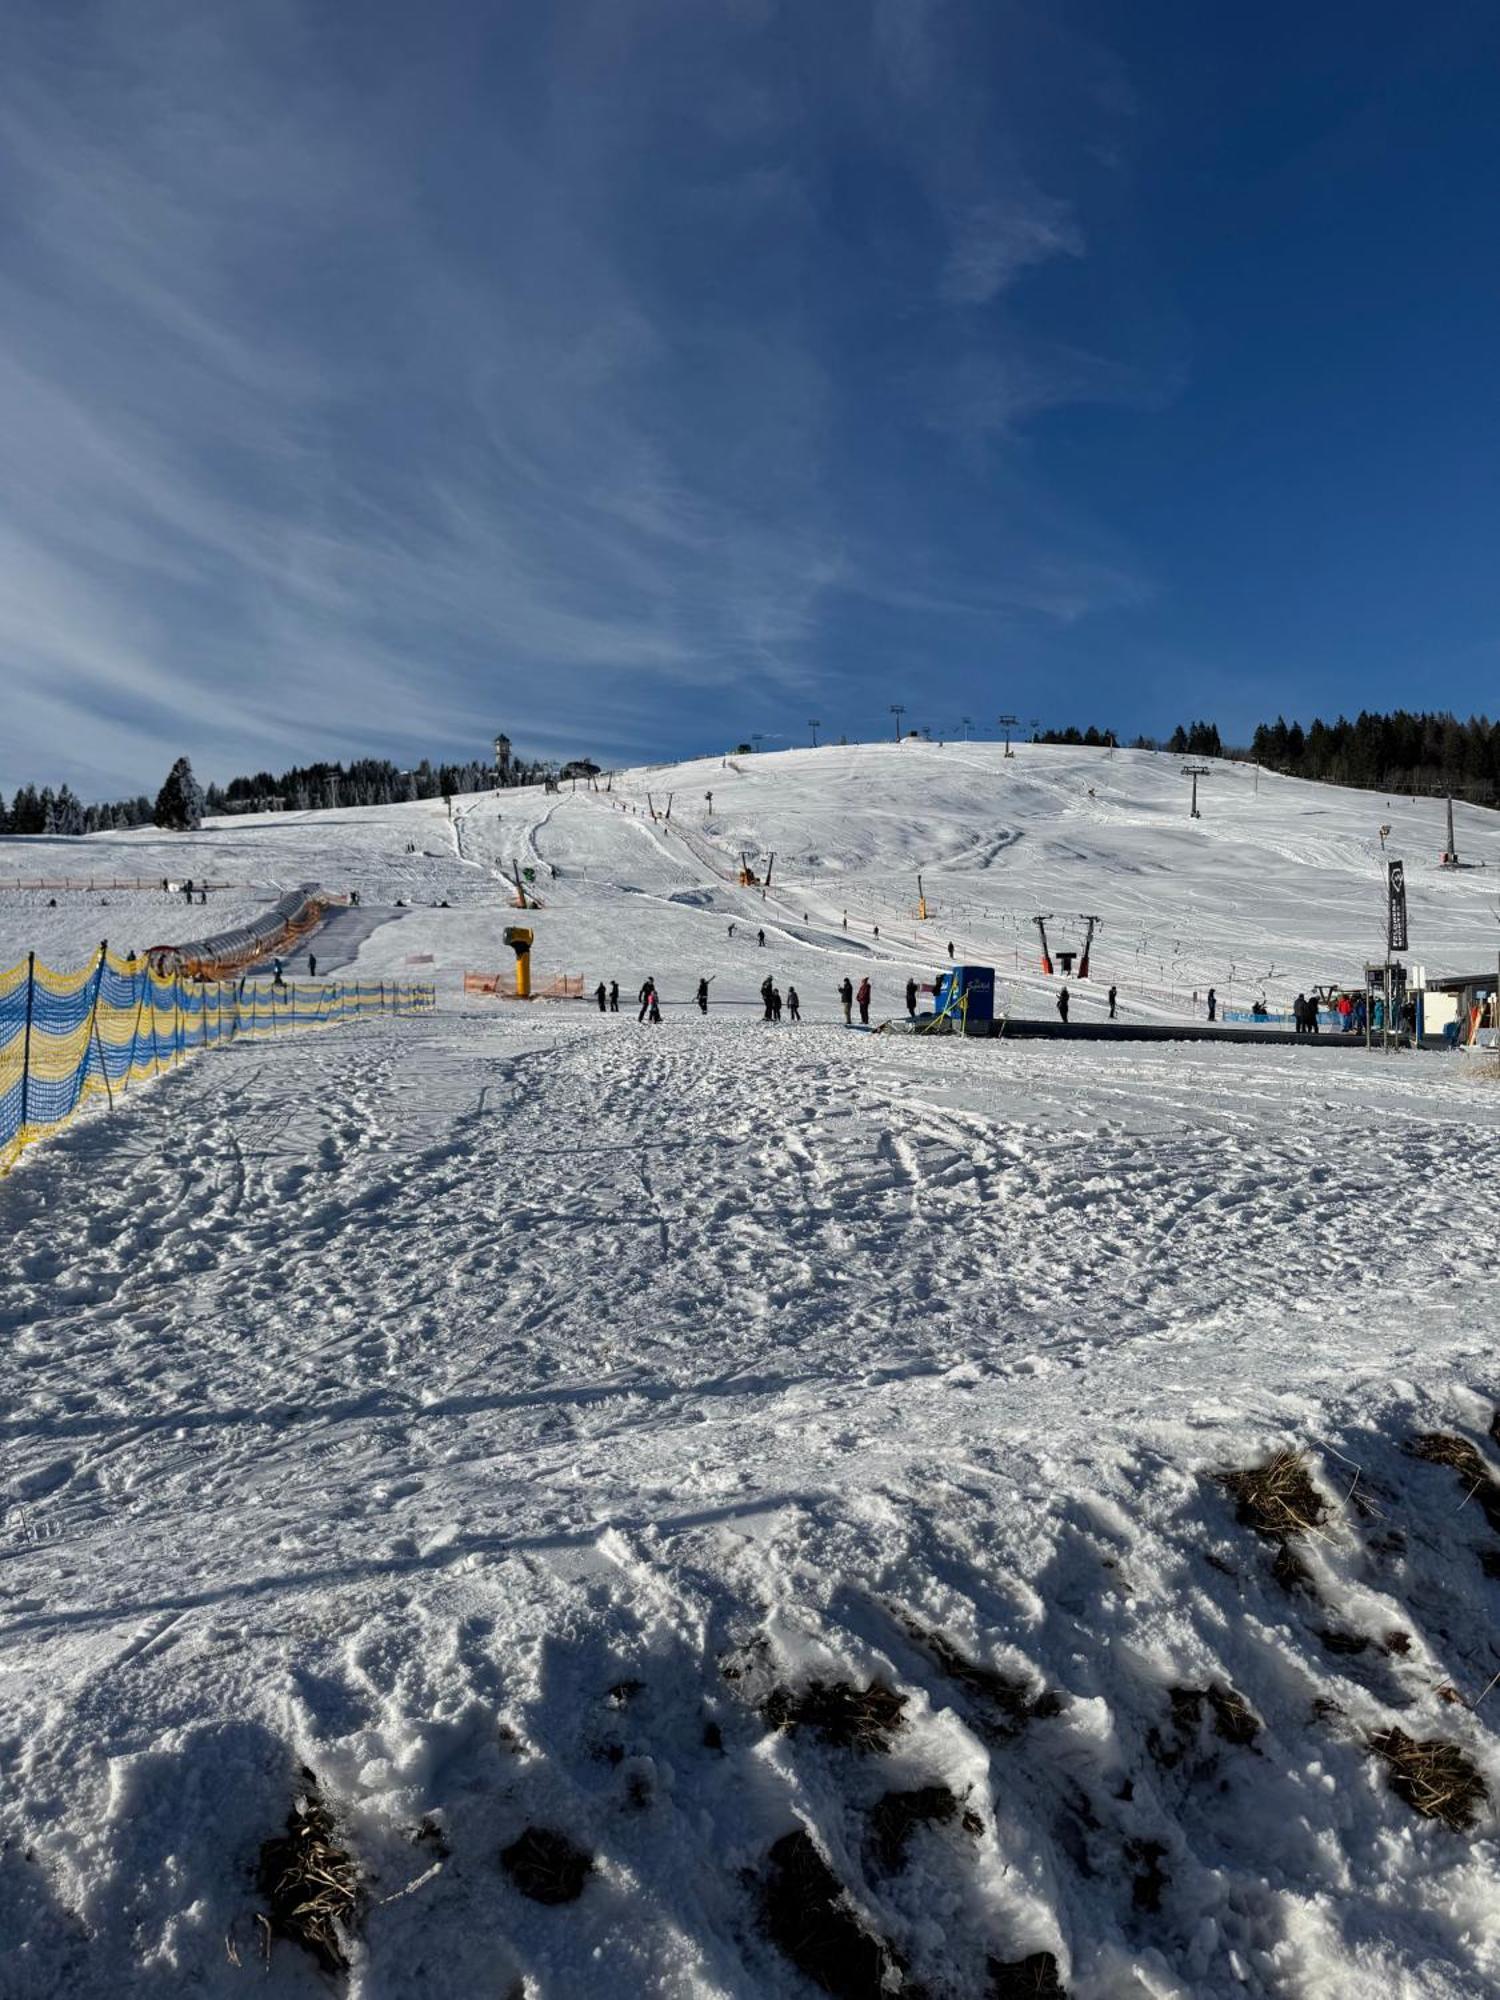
(601, 996)
(1062, 1005)
(846, 999)
(793, 1004)
(1112, 1003)
(702, 996)
(614, 996)
(647, 998)
(911, 999)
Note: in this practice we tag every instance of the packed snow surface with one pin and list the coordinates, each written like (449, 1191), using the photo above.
(522, 1418)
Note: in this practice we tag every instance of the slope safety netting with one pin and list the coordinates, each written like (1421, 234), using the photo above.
(69, 1036)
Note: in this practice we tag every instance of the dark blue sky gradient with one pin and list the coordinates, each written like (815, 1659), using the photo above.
(641, 374)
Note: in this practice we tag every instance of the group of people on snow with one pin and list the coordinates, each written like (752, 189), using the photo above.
(774, 1004)
(850, 996)
(771, 1000)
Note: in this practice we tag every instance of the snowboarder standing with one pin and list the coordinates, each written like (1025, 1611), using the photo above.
(601, 996)
(647, 997)
(863, 997)
(1112, 1003)
(846, 999)
(614, 996)
(702, 996)
(1062, 1005)
(911, 999)
(793, 1004)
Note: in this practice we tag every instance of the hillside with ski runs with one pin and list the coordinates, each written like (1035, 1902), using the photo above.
(530, 1503)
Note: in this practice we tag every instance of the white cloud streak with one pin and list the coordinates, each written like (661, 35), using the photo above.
(328, 427)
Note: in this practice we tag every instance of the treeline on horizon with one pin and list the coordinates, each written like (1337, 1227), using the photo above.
(1400, 752)
(367, 781)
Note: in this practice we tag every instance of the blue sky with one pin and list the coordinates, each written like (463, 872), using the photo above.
(638, 377)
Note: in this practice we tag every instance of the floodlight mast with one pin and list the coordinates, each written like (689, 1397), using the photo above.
(1195, 772)
(1450, 852)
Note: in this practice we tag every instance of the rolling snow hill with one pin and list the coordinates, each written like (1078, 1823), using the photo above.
(718, 1510)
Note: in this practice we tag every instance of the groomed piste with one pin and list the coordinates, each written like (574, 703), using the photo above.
(508, 1499)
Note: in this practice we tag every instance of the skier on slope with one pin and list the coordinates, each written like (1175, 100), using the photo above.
(776, 1004)
(312, 966)
(1213, 1005)
(760, 937)
(911, 999)
(1112, 1002)
(846, 998)
(793, 1004)
(1062, 1005)
(950, 947)
(767, 988)
(702, 996)
(646, 996)
(614, 996)
(863, 997)
(601, 996)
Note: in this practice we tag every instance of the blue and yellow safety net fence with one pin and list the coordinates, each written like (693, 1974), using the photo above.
(69, 1036)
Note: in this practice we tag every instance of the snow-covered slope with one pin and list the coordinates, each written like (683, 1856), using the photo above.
(1277, 885)
(520, 1420)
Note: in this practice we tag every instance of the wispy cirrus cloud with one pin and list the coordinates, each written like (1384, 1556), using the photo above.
(995, 241)
(367, 391)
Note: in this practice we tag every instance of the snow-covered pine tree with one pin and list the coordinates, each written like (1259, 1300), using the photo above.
(179, 803)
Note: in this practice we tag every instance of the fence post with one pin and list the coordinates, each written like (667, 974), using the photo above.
(135, 1032)
(94, 1036)
(26, 1050)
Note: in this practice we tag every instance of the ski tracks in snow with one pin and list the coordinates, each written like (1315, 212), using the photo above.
(450, 1403)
